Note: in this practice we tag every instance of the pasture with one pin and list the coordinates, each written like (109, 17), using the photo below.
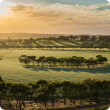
(55, 43)
(13, 71)
(64, 43)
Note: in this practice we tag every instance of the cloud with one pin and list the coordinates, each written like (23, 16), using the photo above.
(69, 2)
(80, 14)
(33, 11)
(57, 16)
(103, 8)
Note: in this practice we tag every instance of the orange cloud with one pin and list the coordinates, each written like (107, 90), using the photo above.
(55, 17)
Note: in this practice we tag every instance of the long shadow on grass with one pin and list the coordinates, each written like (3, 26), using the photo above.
(61, 43)
(72, 42)
(77, 70)
(49, 44)
(38, 44)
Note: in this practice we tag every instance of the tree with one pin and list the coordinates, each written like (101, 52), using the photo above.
(71, 60)
(27, 60)
(21, 58)
(101, 59)
(50, 60)
(81, 89)
(93, 38)
(42, 60)
(71, 37)
(19, 91)
(104, 59)
(37, 61)
(2, 87)
(42, 85)
(31, 40)
(83, 45)
(33, 59)
(42, 82)
(90, 45)
(52, 90)
(65, 88)
(30, 92)
(62, 38)
(71, 91)
(105, 95)
(44, 95)
(84, 37)
(90, 84)
(97, 90)
(78, 61)
(90, 61)
(103, 45)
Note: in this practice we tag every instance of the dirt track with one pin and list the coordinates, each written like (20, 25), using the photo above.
(4, 106)
(85, 107)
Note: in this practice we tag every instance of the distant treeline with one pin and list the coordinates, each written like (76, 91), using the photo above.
(62, 37)
(27, 43)
(75, 37)
(89, 46)
(44, 91)
(68, 61)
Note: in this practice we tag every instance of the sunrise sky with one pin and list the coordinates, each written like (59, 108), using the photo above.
(55, 16)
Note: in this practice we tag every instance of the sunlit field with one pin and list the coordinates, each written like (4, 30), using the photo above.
(55, 43)
(64, 43)
(11, 70)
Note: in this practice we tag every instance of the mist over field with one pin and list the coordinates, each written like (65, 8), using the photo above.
(13, 71)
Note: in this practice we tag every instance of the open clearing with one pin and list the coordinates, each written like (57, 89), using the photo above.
(13, 71)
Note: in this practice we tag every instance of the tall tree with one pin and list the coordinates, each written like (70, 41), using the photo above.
(65, 88)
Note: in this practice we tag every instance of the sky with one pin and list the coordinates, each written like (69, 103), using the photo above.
(55, 16)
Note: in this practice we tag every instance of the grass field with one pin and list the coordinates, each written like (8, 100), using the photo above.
(57, 43)
(64, 43)
(13, 71)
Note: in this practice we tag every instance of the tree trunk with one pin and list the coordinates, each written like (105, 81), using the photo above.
(33, 62)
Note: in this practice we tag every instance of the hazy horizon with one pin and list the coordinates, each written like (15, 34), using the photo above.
(36, 35)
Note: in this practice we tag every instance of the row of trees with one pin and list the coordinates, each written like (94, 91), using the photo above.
(76, 37)
(44, 91)
(83, 45)
(68, 61)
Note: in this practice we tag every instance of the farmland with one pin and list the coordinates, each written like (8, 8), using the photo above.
(54, 43)
(13, 71)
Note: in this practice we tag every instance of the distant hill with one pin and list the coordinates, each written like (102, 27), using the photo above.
(26, 35)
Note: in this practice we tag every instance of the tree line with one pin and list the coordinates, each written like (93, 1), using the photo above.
(78, 37)
(81, 46)
(44, 91)
(26, 43)
(68, 61)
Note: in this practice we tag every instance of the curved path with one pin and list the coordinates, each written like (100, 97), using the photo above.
(4, 106)
(84, 107)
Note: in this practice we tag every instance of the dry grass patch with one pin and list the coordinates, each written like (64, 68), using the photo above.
(58, 105)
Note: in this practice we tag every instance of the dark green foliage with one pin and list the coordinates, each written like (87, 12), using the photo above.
(89, 89)
(68, 61)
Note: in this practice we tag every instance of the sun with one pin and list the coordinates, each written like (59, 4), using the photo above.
(1, 108)
(108, 1)
(4, 7)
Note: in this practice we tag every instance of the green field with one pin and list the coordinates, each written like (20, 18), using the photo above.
(13, 71)
(64, 43)
(56, 43)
